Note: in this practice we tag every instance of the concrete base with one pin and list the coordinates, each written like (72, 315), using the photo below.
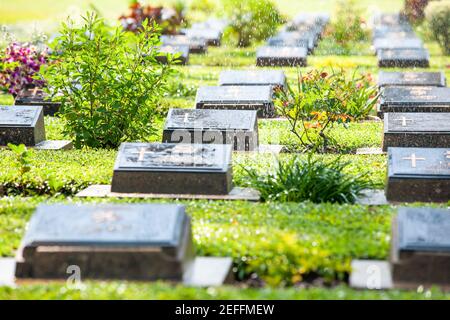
(373, 198)
(104, 191)
(7, 267)
(370, 151)
(54, 145)
(209, 272)
(204, 272)
(371, 274)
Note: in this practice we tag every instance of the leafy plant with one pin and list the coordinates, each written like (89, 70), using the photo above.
(414, 10)
(252, 20)
(438, 21)
(22, 156)
(315, 180)
(349, 25)
(321, 100)
(108, 82)
(20, 64)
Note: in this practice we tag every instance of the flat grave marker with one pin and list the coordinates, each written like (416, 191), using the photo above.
(415, 99)
(181, 50)
(403, 58)
(258, 98)
(21, 125)
(418, 174)
(108, 241)
(170, 168)
(400, 43)
(37, 97)
(430, 79)
(292, 39)
(195, 45)
(268, 56)
(212, 36)
(420, 248)
(275, 78)
(416, 129)
(238, 128)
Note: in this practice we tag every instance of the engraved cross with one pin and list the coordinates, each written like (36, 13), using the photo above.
(413, 158)
(142, 152)
(404, 121)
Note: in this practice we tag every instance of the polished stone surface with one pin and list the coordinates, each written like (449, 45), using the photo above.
(281, 56)
(403, 58)
(432, 79)
(274, 78)
(21, 125)
(37, 97)
(181, 50)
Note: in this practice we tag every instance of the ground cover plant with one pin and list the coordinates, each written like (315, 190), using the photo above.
(108, 82)
(279, 250)
(310, 179)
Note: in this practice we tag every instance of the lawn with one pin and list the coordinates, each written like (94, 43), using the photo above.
(279, 250)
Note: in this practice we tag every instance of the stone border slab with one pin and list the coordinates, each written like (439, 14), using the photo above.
(368, 151)
(373, 198)
(54, 145)
(371, 275)
(209, 272)
(104, 191)
(7, 268)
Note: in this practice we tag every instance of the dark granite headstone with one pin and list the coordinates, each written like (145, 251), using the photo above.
(195, 45)
(107, 241)
(237, 98)
(274, 78)
(212, 37)
(181, 50)
(416, 129)
(37, 97)
(281, 56)
(429, 79)
(173, 168)
(21, 125)
(292, 39)
(420, 248)
(415, 99)
(236, 127)
(418, 174)
(403, 58)
(401, 43)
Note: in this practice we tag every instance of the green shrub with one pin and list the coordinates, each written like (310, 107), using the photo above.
(108, 82)
(252, 20)
(414, 10)
(438, 20)
(297, 180)
(321, 100)
(349, 25)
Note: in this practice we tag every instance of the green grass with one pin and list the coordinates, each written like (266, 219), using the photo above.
(160, 290)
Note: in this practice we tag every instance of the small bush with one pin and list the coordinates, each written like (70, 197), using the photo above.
(315, 180)
(349, 26)
(321, 100)
(438, 20)
(252, 20)
(414, 10)
(108, 82)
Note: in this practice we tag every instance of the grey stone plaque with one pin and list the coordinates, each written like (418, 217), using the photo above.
(415, 99)
(403, 58)
(212, 37)
(292, 39)
(181, 50)
(37, 97)
(236, 127)
(281, 56)
(195, 45)
(173, 168)
(406, 43)
(21, 125)
(416, 129)
(418, 174)
(274, 78)
(430, 79)
(394, 35)
(420, 250)
(237, 98)
(140, 241)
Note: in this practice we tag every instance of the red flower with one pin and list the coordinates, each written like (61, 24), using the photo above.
(323, 75)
